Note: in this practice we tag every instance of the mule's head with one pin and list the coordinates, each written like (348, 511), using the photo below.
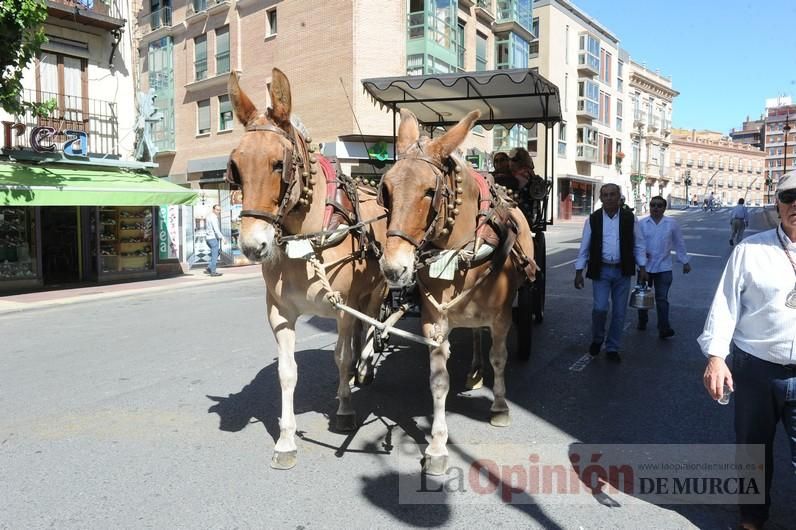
(417, 194)
(262, 166)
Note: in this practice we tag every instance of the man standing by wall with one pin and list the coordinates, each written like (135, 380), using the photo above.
(612, 246)
(214, 238)
(739, 220)
(661, 235)
(755, 308)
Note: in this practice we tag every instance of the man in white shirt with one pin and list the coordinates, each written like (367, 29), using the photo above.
(612, 246)
(739, 220)
(755, 308)
(214, 237)
(661, 235)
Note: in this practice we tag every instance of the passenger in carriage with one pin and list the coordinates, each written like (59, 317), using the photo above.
(501, 163)
(519, 180)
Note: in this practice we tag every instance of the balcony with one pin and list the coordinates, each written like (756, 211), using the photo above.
(586, 153)
(205, 7)
(155, 25)
(587, 64)
(94, 13)
(97, 118)
(587, 108)
(484, 12)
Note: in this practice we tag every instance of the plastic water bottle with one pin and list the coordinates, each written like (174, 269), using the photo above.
(725, 397)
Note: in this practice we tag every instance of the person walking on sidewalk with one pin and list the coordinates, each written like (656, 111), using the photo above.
(214, 237)
(739, 220)
(661, 235)
(612, 246)
(755, 308)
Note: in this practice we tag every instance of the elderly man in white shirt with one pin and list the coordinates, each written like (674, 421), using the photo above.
(611, 248)
(739, 220)
(661, 235)
(755, 308)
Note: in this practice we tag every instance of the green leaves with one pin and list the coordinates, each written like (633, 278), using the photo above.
(21, 37)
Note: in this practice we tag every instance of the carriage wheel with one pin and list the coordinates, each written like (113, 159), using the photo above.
(539, 286)
(522, 323)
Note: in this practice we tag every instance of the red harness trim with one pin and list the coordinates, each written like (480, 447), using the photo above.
(484, 199)
(331, 188)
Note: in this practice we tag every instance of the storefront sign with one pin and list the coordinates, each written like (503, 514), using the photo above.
(168, 232)
(76, 143)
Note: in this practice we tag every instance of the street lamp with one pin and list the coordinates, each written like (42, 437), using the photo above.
(637, 178)
(786, 129)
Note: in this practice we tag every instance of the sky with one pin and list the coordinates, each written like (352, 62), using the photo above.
(724, 57)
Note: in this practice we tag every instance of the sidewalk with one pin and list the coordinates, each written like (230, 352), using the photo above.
(56, 297)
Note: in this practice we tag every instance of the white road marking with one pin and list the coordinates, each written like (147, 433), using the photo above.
(563, 264)
(580, 364)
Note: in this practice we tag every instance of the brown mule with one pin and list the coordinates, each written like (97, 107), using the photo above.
(284, 194)
(434, 203)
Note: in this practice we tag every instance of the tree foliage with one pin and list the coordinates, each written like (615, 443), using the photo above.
(21, 37)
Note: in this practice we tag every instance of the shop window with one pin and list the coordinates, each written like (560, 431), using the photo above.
(125, 239)
(17, 244)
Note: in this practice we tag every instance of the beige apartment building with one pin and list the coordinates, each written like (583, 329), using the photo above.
(715, 164)
(612, 107)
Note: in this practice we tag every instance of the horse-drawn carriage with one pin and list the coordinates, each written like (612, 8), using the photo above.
(506, 98)
(331, 248)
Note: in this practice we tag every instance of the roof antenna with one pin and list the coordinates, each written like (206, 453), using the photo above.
(364, 143)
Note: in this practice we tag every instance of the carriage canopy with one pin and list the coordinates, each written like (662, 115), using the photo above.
(504, 97)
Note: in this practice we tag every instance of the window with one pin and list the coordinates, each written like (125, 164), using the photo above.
(203, 117)
(588, 98)
(480, 51)
(587, 144)
(270, 27)
(619, 111)
(620, 83)
(605, 108)
(606, 150)
(460, 44)
(605, 67)
(534, 48)
(589, 52)
(200, 57)
(566, 45)
(562, 140)
(566, 92)
(61, 78)
(222, 50)
(225, 117)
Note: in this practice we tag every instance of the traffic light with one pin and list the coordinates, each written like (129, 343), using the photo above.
(687, 177)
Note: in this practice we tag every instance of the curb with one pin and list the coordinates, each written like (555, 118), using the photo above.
(10, 307)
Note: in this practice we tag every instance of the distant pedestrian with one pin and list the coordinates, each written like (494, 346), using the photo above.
(214, 237)
(611, 248)
(661, 235)
(755, 308)
(739, 220)
(711, 201)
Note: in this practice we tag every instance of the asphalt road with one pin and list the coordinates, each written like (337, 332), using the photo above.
(161, 411)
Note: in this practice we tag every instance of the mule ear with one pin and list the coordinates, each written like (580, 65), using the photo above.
(443, 146)
(408, 130)
(281, 101)
(242, 105)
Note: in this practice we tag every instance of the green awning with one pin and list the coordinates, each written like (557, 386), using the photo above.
(52, 185)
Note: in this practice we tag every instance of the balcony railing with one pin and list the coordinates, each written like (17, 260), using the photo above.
(97, 118)
(156, 20)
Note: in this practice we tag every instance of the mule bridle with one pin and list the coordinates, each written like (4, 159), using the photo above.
(445, 191)
(293, 163)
